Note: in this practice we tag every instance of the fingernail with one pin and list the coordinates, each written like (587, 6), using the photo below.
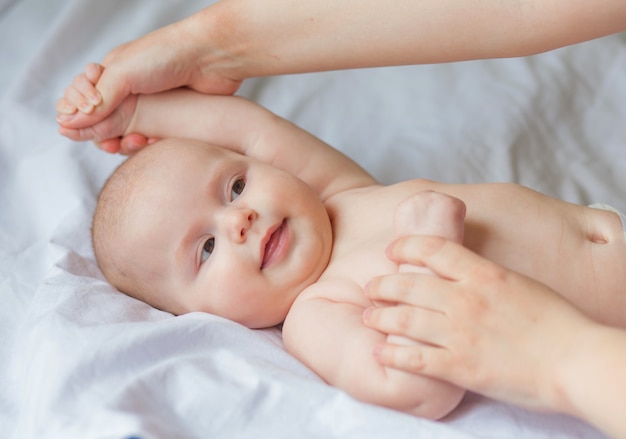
(367, 313)
(93, 99)
(85, 108)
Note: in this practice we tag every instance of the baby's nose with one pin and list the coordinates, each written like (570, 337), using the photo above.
(241, 219)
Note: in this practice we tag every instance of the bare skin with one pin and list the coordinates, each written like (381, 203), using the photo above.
(476, 313)
(509, 224)
(214, 50)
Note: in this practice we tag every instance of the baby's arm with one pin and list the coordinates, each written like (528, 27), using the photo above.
(330, 337)
(231, 122)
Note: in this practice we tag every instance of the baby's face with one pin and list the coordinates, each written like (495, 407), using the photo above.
(225, 234)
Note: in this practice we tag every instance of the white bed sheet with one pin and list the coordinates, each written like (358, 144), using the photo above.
(80, 360)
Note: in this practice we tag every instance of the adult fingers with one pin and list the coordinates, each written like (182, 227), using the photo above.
(445, 258)
(133, 142)
(419, 324)
(426, 360)
(418, 289)
(111, 146)
(111, 91)
(77, 135)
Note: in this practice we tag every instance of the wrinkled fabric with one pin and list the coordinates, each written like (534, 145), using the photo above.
(79, 360)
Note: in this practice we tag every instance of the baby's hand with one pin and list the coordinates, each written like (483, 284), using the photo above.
(430, 213)
(82, 94)
(111, 134)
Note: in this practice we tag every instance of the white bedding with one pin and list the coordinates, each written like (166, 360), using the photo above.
(82, 361)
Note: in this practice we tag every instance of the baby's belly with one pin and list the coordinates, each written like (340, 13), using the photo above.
(577, 251)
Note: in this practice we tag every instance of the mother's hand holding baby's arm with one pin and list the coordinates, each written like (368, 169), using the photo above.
(498, 333)
(215, 49)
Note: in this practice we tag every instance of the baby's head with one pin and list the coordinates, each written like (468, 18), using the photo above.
(186, 226)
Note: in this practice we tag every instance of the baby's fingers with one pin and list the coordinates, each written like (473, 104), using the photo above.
(417, 289)
(78, 135)
(416, 323)
(65, 106)
(426, 360)
(83, 94)
(93, 72)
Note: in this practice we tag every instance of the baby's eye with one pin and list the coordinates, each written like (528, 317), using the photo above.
(237, 188)
(207, 249)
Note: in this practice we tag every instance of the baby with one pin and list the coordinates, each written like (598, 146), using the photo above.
(242, 214)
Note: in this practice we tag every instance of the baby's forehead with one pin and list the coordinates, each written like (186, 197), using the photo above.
(171, 172)
(166, 172)
(182, 148)
(169, 156)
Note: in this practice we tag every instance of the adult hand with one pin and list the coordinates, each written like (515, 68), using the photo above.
(171, 57)
(216, 48)
(482, 327)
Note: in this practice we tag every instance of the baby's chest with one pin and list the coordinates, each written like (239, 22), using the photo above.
(362, 230)
(346, 276)
(359, 257)
(363, 262)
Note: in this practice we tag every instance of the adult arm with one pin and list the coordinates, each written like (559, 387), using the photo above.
(476, 316)
(215, 49)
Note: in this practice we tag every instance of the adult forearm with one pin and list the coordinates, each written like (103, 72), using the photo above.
(285, 36)
(214, 50)
(593, 382)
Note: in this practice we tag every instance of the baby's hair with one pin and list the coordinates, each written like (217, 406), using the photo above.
(111, 219)
(129, 199)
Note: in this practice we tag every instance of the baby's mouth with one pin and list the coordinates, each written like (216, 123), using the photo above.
(274, 245)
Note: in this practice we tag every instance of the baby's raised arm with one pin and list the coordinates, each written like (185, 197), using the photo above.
(218, 47)
(230, 122)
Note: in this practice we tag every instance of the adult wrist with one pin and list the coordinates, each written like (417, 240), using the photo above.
(571, 376)
(216, 50)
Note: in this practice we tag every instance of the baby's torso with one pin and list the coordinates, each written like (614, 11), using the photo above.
(578, 251)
